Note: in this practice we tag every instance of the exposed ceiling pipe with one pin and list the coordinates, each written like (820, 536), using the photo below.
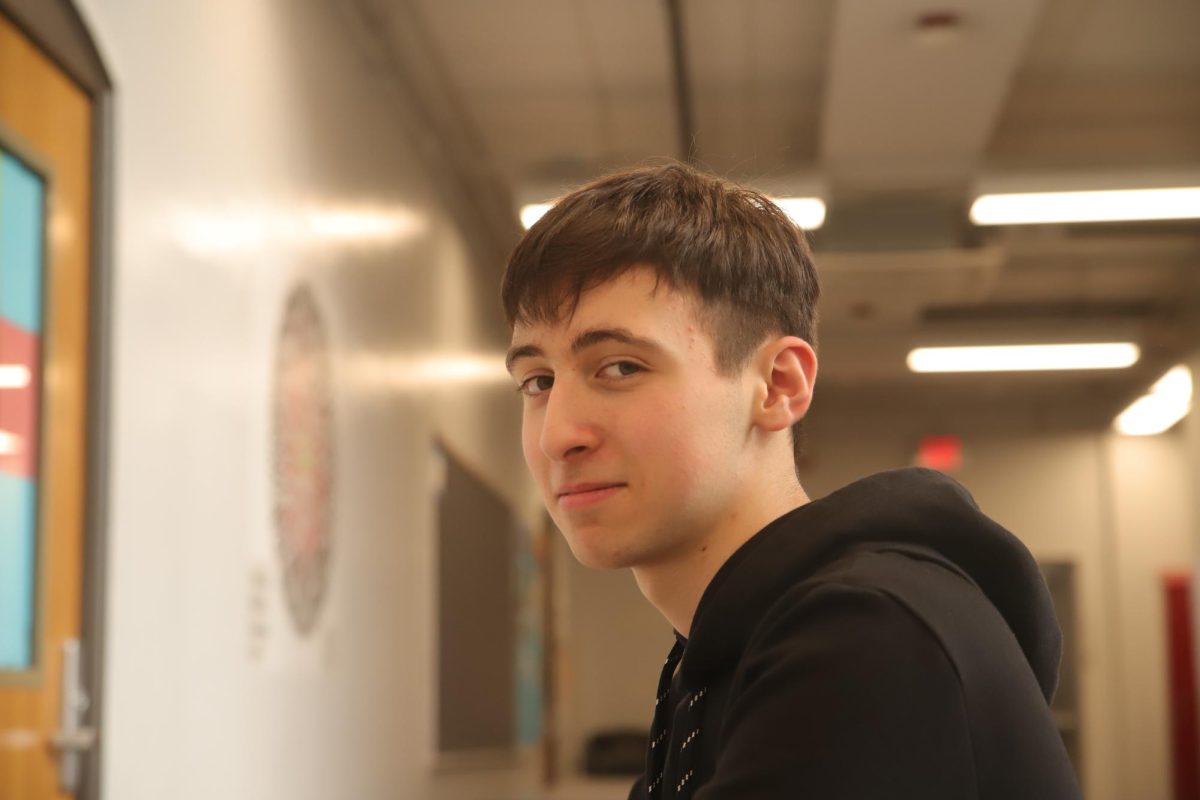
(683, 93)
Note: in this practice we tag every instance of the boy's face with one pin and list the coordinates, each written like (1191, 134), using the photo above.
(625, 395)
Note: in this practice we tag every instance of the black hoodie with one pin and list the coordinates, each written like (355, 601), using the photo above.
(886, 641)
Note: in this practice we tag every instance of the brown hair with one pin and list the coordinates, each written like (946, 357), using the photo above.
(732, 248)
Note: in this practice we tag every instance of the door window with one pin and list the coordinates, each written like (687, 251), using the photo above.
(22, 215)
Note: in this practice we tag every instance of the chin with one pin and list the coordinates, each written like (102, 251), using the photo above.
(596, 556)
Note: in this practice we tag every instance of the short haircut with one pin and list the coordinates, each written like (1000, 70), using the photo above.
(729, 247)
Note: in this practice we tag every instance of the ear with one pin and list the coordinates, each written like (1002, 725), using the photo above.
(786, 375)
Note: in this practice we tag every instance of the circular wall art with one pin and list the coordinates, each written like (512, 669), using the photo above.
(303, 453)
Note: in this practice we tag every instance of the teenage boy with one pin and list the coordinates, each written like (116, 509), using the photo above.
(886, 641)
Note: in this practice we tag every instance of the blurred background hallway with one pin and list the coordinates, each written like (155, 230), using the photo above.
(262, 496)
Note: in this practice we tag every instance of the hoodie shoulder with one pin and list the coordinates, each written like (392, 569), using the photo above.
(905, 508)
(896, 642)
(843, 693)
(1008, 716)
(939, 594)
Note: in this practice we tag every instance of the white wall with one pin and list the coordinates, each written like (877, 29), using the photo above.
(1191, 432)
(244, 117)
(1156, 528)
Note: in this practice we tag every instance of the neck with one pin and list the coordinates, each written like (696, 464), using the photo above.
(675, 584)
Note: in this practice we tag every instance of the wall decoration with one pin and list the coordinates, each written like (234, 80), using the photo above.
(303, 451)
(22, 247)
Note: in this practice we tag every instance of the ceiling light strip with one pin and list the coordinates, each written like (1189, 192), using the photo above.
(1124, 205)
(1168, 401)
(807, 212)
(1024, 358)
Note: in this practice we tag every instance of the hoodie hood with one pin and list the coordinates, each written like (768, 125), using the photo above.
(906, 506)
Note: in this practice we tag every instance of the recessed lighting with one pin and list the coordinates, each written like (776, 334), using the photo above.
(1024, 358)
(1122, 205)
(1168, 401)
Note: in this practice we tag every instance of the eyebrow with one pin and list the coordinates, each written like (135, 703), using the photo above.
(586, 339)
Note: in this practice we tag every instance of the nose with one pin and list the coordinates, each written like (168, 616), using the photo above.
(568, 426)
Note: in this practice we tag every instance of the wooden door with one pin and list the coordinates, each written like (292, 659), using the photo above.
(45, 225)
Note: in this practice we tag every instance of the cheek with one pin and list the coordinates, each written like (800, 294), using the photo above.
(530, 447)
(687, 443)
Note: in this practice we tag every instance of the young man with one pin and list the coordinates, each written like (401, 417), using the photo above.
(886, 641)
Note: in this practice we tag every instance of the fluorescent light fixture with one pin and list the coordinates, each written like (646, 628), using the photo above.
(1024, 358)
(1168, 401)
(533, 212)
(14, 376)
(1104, 206)
(807, 212)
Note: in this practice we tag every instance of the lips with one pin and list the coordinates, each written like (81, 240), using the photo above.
(578, 488)
(585, 495)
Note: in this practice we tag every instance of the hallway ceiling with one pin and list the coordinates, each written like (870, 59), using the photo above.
(898, 124)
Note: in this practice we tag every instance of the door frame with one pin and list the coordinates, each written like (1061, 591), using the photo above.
(58, 29)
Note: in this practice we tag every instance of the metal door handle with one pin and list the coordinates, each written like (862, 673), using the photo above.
(72, 739)
(78, 741)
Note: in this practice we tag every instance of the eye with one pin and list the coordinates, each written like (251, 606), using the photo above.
(530, 387)
(622, 372)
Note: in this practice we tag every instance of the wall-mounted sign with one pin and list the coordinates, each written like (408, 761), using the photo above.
(303, 449)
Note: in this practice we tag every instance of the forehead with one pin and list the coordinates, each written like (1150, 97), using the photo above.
(634, 299)
(630, 310)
